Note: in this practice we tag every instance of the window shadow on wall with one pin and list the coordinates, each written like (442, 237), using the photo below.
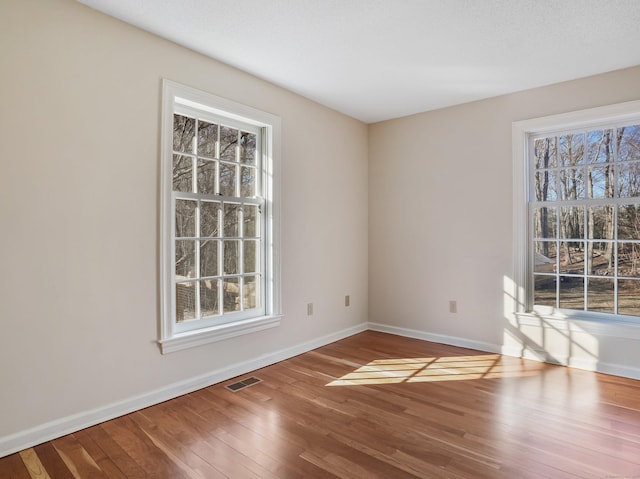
(535, 336)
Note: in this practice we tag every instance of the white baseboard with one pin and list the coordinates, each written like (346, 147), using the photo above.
(67, 425)
(526, 353)
(618, 370)
(546, 357)
(588, 364)
(436, 338)
(60, 427)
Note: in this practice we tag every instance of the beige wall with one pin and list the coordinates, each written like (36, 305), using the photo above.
(394, 206)
(79, 186)
(440, 222)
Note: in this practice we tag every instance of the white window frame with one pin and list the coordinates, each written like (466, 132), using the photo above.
(522, 131)
(177, 98)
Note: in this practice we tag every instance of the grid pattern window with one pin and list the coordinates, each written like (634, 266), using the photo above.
(217, 204)
(584, 220)
(220, 218)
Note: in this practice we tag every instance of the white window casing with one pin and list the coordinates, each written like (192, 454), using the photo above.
(245, 299)
(524, 133)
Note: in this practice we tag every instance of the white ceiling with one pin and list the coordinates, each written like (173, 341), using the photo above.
(381, 59)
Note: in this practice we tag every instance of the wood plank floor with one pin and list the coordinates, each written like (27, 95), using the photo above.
(370, 406)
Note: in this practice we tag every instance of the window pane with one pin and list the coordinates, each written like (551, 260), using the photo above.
(228, 143)
(231, 220)
(600, 222)
(597, 251)
(207, 177)
(208, 258)
(600, 258)
(628, 139)
(544, 290)
(629, 222)
(629, 297)
(247, 182)
(628, 259)
(248, 148)
(227, 179)
(572, 222)
(185, 259)
(545, 223)
(572, 257)
(629, 179)
(209, 218)
(571, 149)
(185, 302)
(209, 298)
(600, 182)
(571, 183)
(215, 193)
(231, 289)
(185, 218)
(545, 186)
(600, 295)
(183, 133)
(182, 173)
(207, 137)
(251, 294)
(572, 292)
(231, 257)
(599, 146)
(251, 257)
(545, 153)
(545, 255)
(250, 221)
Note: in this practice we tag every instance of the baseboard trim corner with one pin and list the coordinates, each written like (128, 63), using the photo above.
(436, 338)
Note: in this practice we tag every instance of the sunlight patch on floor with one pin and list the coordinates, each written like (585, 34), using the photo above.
(417, 370)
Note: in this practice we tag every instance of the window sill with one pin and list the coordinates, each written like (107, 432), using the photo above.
(221, 332)
(600, 326)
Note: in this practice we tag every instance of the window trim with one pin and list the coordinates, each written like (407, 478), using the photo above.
(174, 96)
(521, 131)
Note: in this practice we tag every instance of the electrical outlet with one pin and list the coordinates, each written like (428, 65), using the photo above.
(453, 306)
(309, 309)
(347, 300)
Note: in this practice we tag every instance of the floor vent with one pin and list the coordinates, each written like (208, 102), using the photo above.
(237, 386)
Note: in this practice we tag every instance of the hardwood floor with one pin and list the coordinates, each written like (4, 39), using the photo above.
(370, 406)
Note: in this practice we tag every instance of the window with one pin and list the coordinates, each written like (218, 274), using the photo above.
(219, 243)
(580, 221)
